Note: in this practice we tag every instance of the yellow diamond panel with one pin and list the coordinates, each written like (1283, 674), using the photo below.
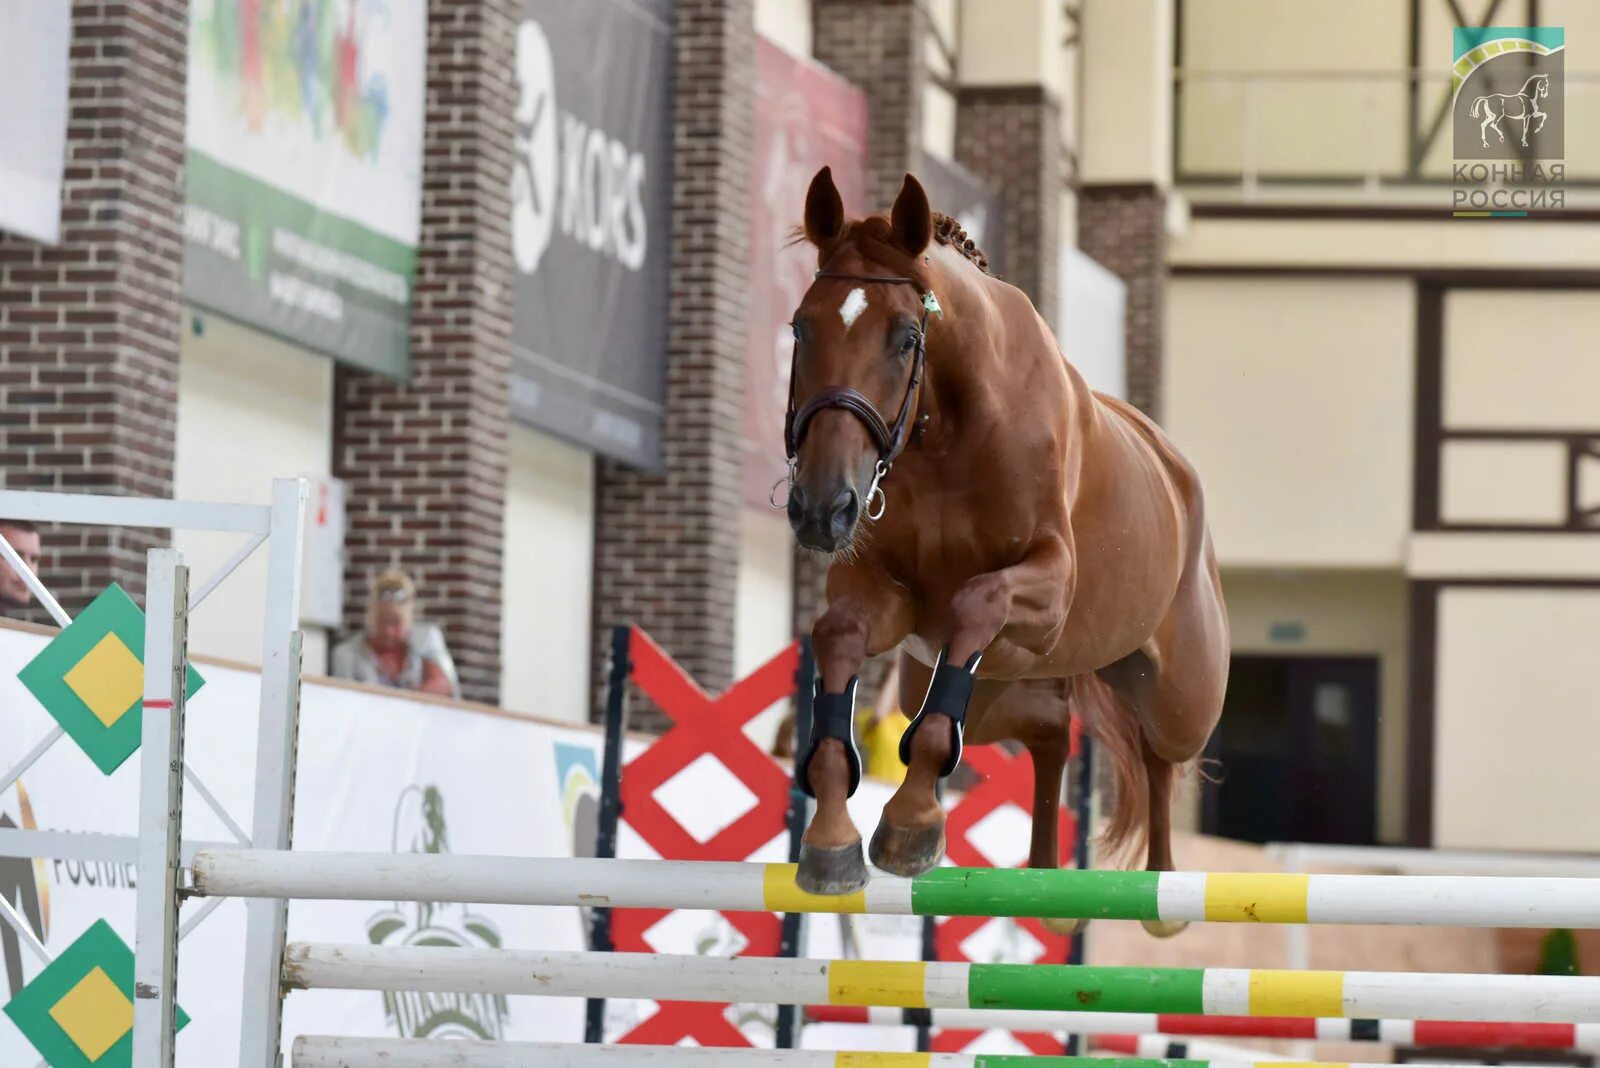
(109, 679)
(94, 1014)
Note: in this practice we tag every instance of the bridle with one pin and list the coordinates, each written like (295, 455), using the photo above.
(889, 440)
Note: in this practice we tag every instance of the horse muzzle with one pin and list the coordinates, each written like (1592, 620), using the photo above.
(824, 521)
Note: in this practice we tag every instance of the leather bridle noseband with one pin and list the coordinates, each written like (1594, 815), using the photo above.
(890, 441)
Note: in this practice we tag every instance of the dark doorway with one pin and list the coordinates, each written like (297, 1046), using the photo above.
(1296, 752)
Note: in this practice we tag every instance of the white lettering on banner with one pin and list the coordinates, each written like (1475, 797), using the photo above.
(618, 428)
(602, 193)
(352, 270)
(597, 180)
(211, 231)
(305, 296)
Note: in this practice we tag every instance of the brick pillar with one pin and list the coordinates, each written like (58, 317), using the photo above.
(878, 45)
(1123, 226)
(667, 544)
(89, 327)
(425, 460)
(1010, 136)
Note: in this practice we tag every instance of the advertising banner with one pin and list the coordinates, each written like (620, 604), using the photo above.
(591, 196)
(33, 138)
(305, 170)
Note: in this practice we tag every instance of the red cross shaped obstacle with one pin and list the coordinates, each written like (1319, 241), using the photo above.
(1007, 779)
(703, 725)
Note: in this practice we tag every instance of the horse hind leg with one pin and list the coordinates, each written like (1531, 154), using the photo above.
(1174, 686)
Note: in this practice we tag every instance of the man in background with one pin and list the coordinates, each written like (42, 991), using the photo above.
(395, 650)
(23, 536)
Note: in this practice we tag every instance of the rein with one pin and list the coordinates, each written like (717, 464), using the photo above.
(889, 440)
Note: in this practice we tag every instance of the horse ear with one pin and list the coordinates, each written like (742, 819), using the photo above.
(824, 210)
(912, 218)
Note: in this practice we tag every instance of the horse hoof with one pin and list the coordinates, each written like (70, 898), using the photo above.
(1059, 925)
(907, 851)
(831, 870)
(1164, 928)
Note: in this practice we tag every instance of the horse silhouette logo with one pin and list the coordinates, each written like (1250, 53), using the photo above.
(419, 827)
(1522, 106)
(1508, 85)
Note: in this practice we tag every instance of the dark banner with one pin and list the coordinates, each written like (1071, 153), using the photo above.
(304, 132)
(806, 116)
(591, 194)
(957, 192)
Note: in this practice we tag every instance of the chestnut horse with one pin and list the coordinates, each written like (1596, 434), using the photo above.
(1033, 547)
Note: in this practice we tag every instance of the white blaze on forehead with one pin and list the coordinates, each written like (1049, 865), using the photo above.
(853, 306)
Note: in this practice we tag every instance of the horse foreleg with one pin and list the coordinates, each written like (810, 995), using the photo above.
(1029, 601)
(829, 769)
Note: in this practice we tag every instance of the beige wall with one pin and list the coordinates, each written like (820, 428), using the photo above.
(1446, 555)
(1293, 399)
(1518, 721)
(764, 616)
(1319, 119)
(250, 409)
(1355, 612)
(549, 573)
(1337, 243)
(1014, 42)
(1503, 482)
(1521, 359)
(1126, 82)
(786, 23)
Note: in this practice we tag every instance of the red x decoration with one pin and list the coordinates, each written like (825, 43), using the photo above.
(702, 724)
(1007, 779)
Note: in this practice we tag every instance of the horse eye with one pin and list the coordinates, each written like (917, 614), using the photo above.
(908, 343)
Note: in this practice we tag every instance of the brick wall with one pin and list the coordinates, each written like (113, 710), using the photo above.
(425, 461)
(667, 543)
(89, 327)
(1124, 228)
(1010, 136)
(878, 45)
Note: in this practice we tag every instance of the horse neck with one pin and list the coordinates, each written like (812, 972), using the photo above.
(1531, 86)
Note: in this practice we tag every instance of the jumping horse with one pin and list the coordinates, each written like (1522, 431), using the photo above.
(1032, 547)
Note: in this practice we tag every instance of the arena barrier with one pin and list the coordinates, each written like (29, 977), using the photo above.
(1453, 1033)
(1419, 900)
(315, 1051)
(1188, 991)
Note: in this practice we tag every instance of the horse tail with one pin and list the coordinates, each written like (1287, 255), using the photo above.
(1478, 106)
(1115, 727)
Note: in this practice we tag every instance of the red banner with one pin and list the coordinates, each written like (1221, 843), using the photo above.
(806, 116)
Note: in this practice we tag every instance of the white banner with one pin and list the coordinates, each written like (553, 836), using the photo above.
(34, 39)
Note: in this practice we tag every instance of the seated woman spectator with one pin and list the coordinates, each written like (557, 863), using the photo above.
(395, 650)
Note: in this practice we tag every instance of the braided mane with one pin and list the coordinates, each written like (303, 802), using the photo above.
(948, 231)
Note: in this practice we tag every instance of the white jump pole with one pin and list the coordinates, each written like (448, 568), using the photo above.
(1210, 991)
(327, 1052)
(1428, 900)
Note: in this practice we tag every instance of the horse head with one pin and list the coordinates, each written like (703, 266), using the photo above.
(859, 352)
(1541, 86)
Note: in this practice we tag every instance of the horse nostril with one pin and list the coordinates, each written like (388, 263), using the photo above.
(842, 514)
